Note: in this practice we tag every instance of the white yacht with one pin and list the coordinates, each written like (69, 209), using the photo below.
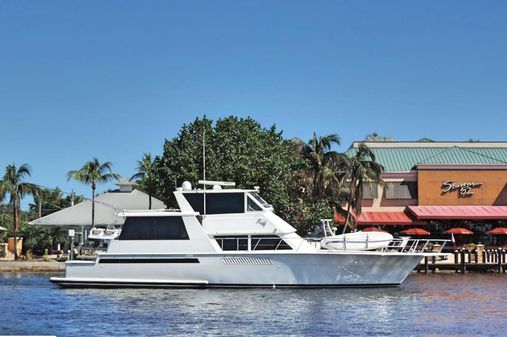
(229, 238)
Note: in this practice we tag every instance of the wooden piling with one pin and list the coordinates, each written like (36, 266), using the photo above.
(463, 263)
(499, 260)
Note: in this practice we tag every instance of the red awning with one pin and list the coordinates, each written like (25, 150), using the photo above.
(379, 218)
(459, 212)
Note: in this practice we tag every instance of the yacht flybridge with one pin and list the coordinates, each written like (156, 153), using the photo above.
(230, 238)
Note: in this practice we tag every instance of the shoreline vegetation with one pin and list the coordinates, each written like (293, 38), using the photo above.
(304, 181)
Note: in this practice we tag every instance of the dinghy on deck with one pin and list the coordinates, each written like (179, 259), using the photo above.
(352, 241)
(357, 241)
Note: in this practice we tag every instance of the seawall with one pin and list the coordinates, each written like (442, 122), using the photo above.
(31, 266)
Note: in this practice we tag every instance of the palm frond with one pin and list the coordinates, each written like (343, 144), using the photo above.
(105, 178)
(93, 172)
(137, 176)
(23, 171)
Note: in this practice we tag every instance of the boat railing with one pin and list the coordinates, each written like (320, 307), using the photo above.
(402, 244)
(243, 243)
(409, 245)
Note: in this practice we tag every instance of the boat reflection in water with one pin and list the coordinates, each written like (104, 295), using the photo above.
(230, 238)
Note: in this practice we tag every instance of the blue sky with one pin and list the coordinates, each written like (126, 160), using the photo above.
(112, 79)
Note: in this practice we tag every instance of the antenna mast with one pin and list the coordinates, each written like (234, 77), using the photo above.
(204, 166)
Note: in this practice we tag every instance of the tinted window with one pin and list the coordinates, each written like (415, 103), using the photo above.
(217, 203)
(232, 242)
(252, 206)
(260, 200)
(401, 190)
(370, 191)
(268, 242)
(154, 228)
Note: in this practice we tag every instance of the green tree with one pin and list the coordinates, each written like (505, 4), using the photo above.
(50, 200)
(362, 168)
(38, 239)
(145, 176)
(13, 184)
(324, 164)
(238, 150)
(92, 173)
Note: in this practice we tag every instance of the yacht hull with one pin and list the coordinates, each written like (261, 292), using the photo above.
(241, 269)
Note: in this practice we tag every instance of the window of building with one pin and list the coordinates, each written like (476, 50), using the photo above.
(217, 203)
(154, 228)
(401, 190)
(370, 191)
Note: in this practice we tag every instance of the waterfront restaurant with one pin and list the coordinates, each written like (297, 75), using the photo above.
(438, 186)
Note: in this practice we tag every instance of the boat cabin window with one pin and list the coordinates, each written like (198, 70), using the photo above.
(217, 203)
(154, 228)
(268, 242)
(251, 205)
(258, 242)
(261, 201)
(233, 242)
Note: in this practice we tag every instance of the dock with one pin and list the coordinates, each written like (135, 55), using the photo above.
(464, 260)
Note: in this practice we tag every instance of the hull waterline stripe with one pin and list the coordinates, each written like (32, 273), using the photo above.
(95, 284)
(124, 260)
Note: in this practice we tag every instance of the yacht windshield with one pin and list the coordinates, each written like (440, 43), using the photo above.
(261, 201)
(252, 205)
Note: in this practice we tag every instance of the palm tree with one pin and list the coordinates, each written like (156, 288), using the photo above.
(322, 160)
(362, 168)
(144, 175)
(13, 185)
(93, 173)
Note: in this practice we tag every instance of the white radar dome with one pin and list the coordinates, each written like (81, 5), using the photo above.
(186, 186)
(217, 187)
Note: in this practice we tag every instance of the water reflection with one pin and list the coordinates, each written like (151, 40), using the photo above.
(432, 305)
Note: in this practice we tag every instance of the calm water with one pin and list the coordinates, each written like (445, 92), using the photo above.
(428, 305)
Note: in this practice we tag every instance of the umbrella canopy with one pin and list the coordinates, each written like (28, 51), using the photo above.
(372, 229)
(415, 231)
(498, 231)
(459, 231)
(2, 229)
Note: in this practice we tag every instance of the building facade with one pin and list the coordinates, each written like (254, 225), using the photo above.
(437, 185)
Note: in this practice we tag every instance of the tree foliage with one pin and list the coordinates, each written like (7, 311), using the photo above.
(50, 200)
(145, 176)
(92, 173)
(13, 185)
(238, 150)
(362, 168)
